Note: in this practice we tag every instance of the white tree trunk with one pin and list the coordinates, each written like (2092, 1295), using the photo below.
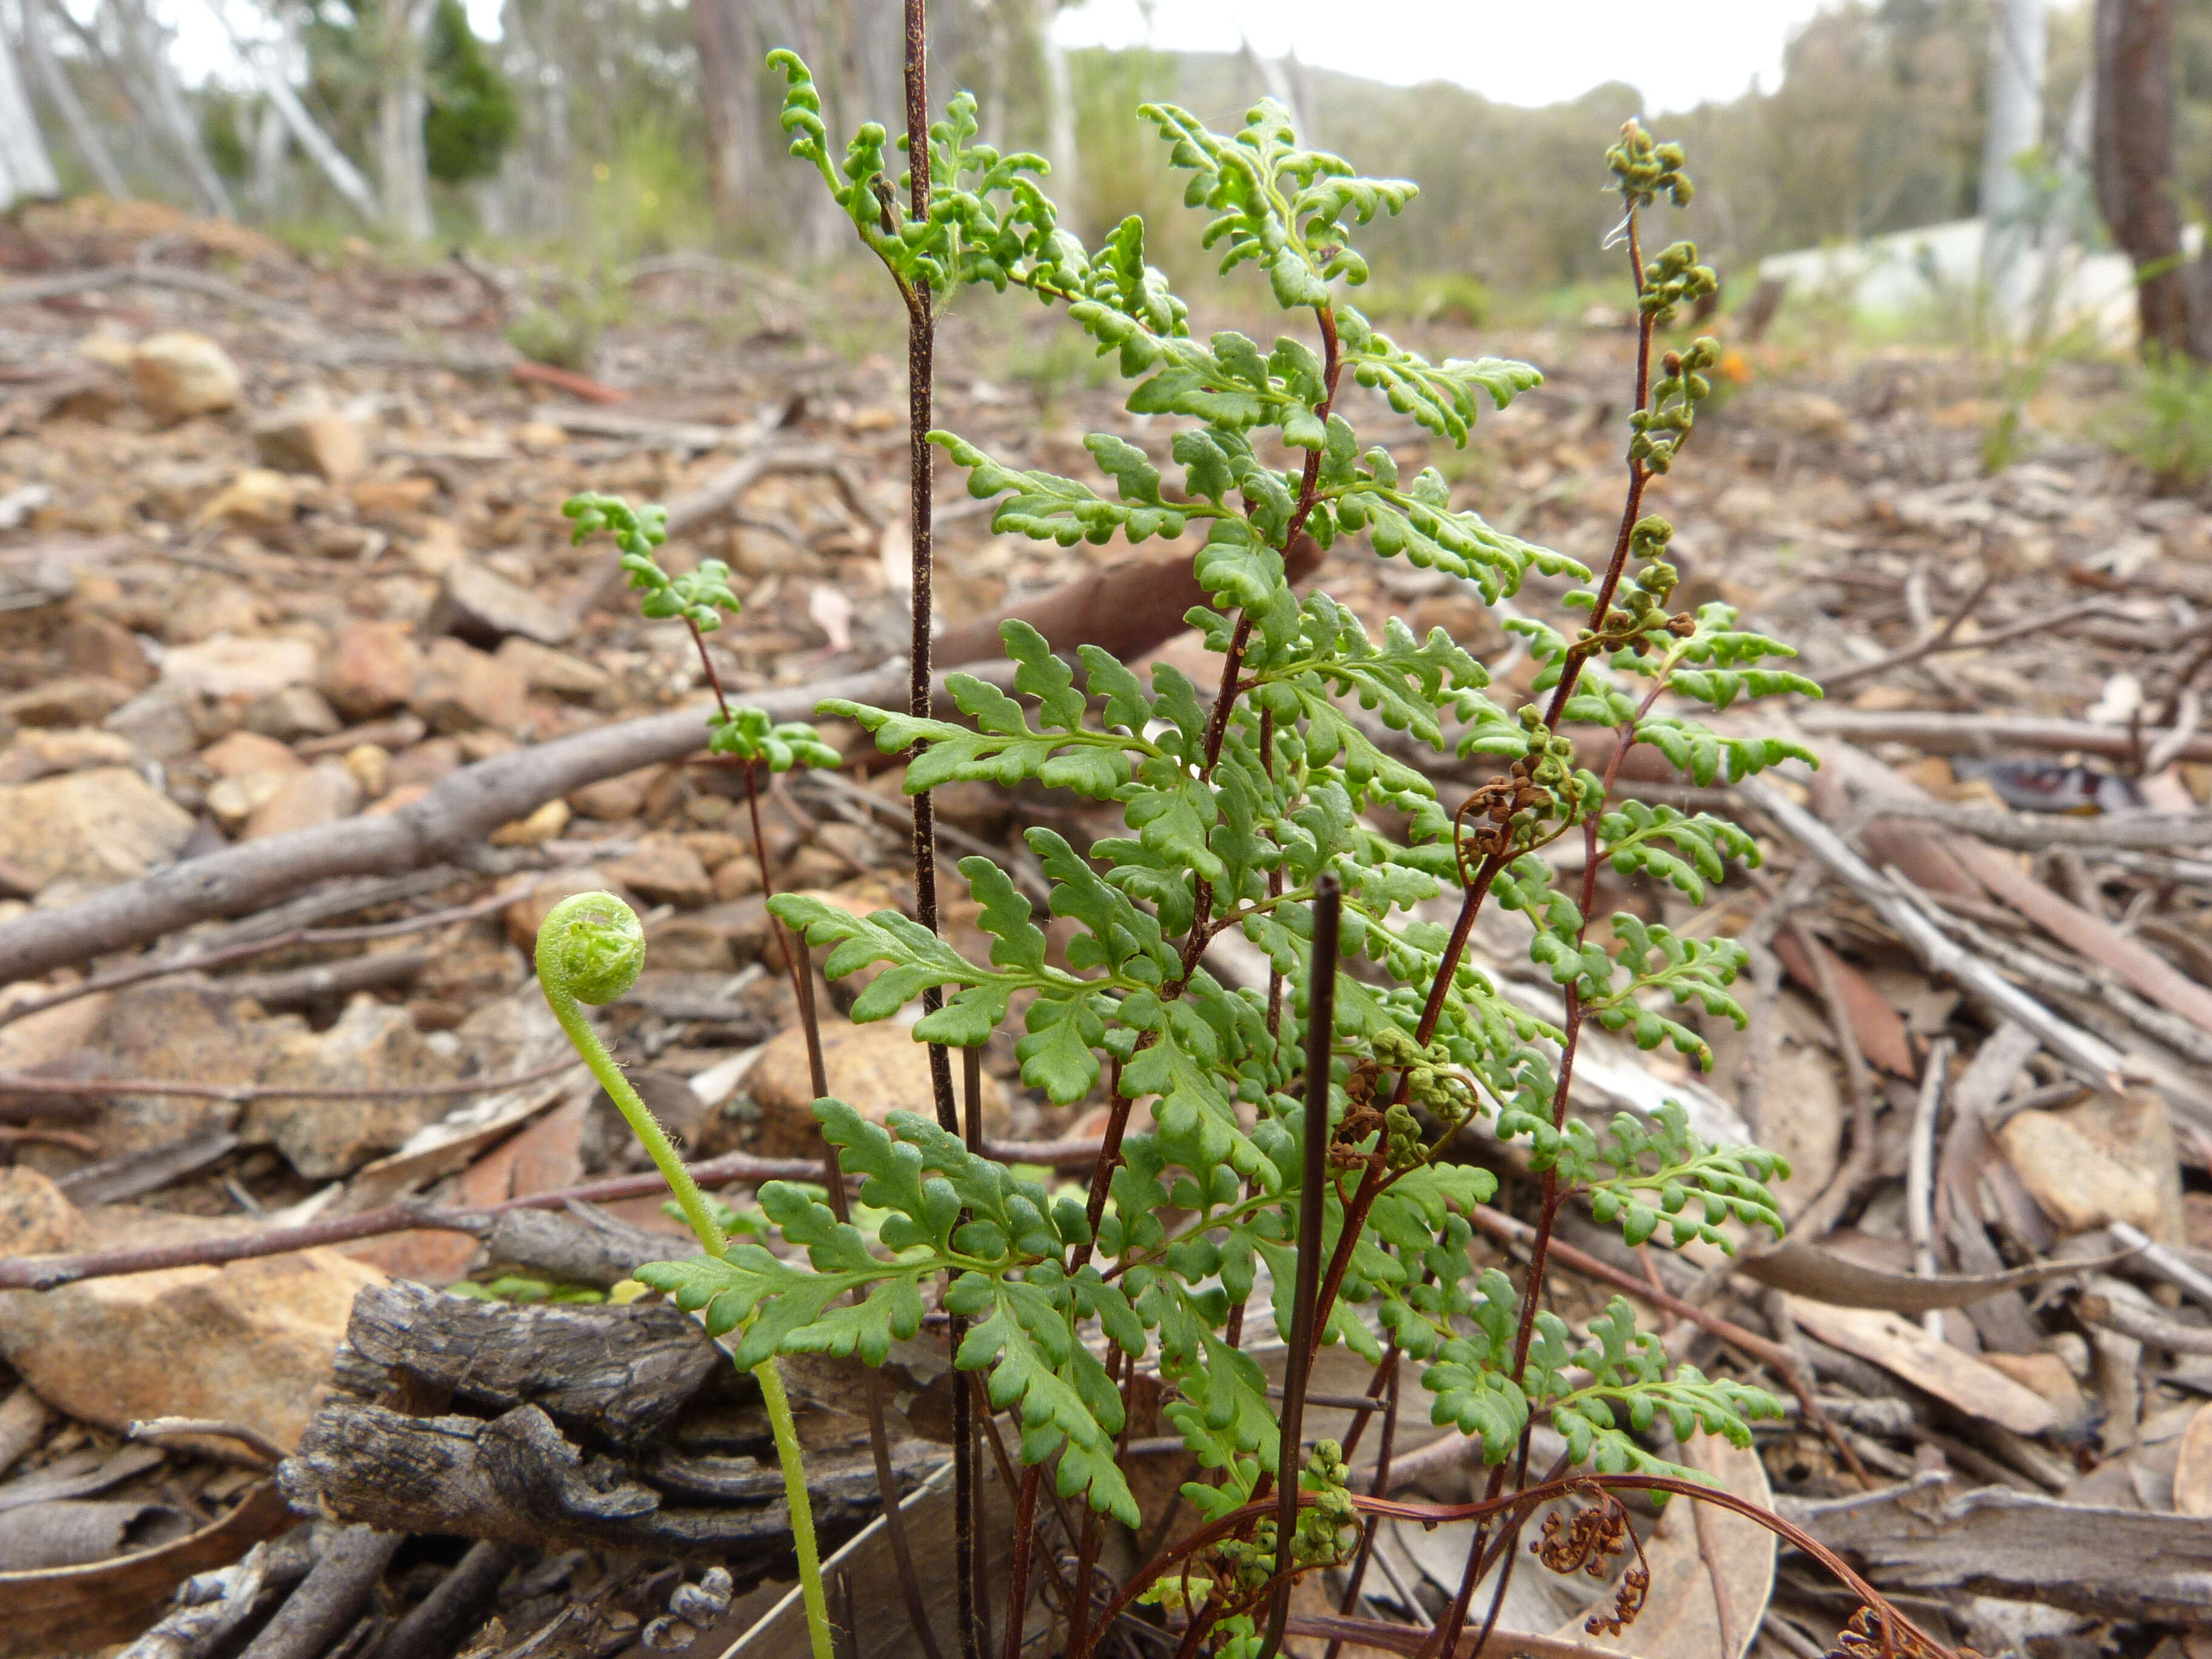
(403, 167)
(92, 148)
(25, 168)
(272, 143)
(147, 45)
(1059, 143)
(334, 164)
(2017, 44)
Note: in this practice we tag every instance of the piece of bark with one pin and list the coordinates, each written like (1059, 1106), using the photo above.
(71, 1609)
(68, 1532)
(1970, 734)
(2091, 935)
(1950, 1373)
(348, 1564)
(621, 1372)
(516, 1480)
(2127, 1565)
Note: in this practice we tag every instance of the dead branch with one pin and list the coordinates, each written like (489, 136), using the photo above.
(618, 1373)
(2143, 1326)
(447, 824)
(45, 1272)
(24, 1083)
(1938, 953)
(2031, 832)
(335, 1590)
(1946, 638)
(1966, 734)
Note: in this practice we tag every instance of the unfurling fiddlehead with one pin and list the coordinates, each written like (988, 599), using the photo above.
(591, 949)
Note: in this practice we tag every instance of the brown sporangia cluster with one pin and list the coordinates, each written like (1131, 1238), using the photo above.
(1588, 1541)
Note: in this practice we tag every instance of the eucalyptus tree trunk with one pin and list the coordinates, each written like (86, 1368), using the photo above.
(726, 35)
(539, 170)
(61, 92)
(2017, 47)
(331, 161)
(144, 43)
(2134, 126)
(272, 142)
(402, 167)
(26, 169)
(1060, 144)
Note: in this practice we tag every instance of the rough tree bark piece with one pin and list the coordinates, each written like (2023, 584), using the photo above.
(617, 1372)
(516, 1480)
(2107, 1564)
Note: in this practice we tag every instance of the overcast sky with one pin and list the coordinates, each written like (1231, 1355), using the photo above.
(1517, 51)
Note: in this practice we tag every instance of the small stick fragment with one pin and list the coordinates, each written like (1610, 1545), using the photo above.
(1920, 1174)
(333, 1592)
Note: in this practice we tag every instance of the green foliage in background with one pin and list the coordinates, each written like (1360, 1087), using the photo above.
(2166, 426)
(471, 115)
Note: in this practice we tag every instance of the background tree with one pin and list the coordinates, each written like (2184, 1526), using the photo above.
(2135, 159)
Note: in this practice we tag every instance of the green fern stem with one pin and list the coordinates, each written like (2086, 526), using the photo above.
(802, 1509)
(591, 949)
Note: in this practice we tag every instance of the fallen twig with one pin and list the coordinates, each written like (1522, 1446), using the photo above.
(2032, 831)
(335, 1588)
(447, 824)
(46, 1273)
(1927, 942)
(2142, 1325)
(23, 1083)
(1945, 638)
(1954, 734)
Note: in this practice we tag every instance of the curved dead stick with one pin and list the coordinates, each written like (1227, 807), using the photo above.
(447, 823)
(46, 1273)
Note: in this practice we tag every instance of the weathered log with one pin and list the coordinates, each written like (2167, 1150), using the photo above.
(617, 1373)
(2106, 1563)
(515, 1479)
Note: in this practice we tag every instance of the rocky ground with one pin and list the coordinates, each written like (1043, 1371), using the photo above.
(281, 550)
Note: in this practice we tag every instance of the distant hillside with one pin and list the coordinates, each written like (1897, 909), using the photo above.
(1875, 127)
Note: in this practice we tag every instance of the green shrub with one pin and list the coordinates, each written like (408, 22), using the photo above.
(2168, 428)
(472, 117)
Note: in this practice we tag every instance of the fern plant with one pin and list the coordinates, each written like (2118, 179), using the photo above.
(1289, 1137)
